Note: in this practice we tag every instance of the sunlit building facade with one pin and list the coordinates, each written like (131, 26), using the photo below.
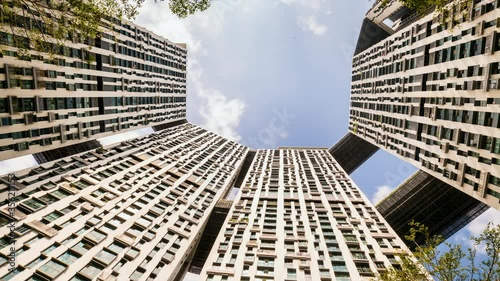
(87, 89)
(299, 216)
(133, 211)
(429, 92)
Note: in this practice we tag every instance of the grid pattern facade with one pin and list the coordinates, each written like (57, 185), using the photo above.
(300, 217)
(127, 79)
(429, 94)
(133, 211)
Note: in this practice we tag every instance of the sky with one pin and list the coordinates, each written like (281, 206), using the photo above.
(270, 73)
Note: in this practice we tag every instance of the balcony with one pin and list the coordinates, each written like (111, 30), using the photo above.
(344, 227)
(304, 264)
(382, 235)
(266, 263)
(252, 243)
(299, 255)
(390, 251)
(267, 245)
(266, 253)
(268, 236)
(177, 230)
(221, 270)
(222, 248)
(249, 259)
(325, 275)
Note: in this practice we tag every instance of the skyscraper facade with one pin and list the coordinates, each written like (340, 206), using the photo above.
(126, 79)
(428, 92)
(131, 211)
(299, 216)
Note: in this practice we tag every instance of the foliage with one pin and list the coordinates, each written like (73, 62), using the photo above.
(183, 8)
(424, 6)
(454, 264)
(45, 25)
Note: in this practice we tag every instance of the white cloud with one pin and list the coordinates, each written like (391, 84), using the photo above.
(125, 136)
(477, 226)
(310, 23)
(308, 4)
(17, 164)
(220, 114)
(381, 193)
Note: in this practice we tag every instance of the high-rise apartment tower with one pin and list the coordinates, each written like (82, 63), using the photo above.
(126, 79)
(427, 90)
(299, 216)
(131, 211)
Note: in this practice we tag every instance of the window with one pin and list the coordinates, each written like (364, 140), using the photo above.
(68, 257)
(52, 217)
(52, 269)
(82, 247)
(91, 270)
(35, 262)
(292, 273)
(3, 105)
(34, 204)
(105, 256)
(96, 236)
(11, 274)
(116, 247)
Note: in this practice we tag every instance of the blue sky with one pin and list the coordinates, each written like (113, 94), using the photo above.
(271, 73)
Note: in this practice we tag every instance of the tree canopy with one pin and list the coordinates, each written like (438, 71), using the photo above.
(451, 264)
(424, 6)
(43, 25)
(183, 8)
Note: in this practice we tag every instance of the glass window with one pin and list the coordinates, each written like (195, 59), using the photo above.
(35, 262)
(3, 105)
(96, 236)
(92, 270)
(116, 247)
(50, 249)
(68, 257)
(59, 193)
(34, 204)
(52, 268)
(105, 256)
(33, 240)
(82, 247)
(11, 274)
(53, 216)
